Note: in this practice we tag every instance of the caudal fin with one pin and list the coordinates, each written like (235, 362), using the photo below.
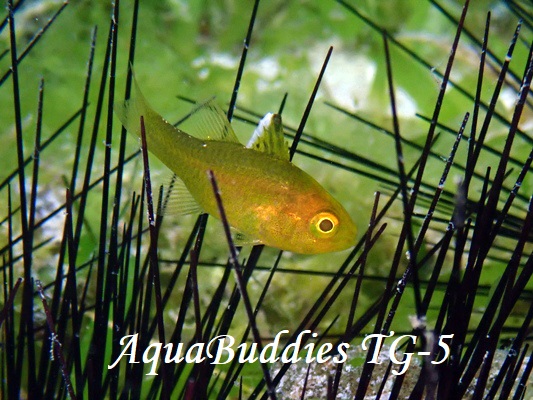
(129, 112)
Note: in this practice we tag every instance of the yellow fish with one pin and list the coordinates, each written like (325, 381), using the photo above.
(266, 197)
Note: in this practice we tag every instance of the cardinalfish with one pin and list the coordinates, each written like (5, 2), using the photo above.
(267, 199)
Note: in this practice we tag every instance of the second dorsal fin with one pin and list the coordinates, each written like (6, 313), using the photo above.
(268, 137)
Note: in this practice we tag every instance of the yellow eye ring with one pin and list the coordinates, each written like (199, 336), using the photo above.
(324, 224)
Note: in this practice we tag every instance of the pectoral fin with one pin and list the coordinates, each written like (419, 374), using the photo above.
(240, 239)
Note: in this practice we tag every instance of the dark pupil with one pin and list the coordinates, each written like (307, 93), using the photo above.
(325, 225)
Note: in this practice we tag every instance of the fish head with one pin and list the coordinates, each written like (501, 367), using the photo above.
(313, 222)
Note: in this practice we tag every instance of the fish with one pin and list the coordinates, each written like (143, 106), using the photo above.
(267, 199)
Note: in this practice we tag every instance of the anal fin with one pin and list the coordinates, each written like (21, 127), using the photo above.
(177, 199)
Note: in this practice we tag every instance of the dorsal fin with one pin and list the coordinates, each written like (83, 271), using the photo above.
(209, 122)
(268, 137)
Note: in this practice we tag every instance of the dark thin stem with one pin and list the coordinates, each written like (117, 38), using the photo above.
(242, 62)
(154, 267)
(407, 206)
(9, 302)
(307, 111)
(83, 112)
(240, 283)
(56, 347)
(38, 36)
(96, 358)
(26, 321)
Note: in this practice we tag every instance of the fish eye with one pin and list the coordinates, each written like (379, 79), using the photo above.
(324, 224)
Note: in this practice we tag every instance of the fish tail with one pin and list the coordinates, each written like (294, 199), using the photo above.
(129, 112)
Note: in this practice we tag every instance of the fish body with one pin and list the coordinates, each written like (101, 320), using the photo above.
(266, 197)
